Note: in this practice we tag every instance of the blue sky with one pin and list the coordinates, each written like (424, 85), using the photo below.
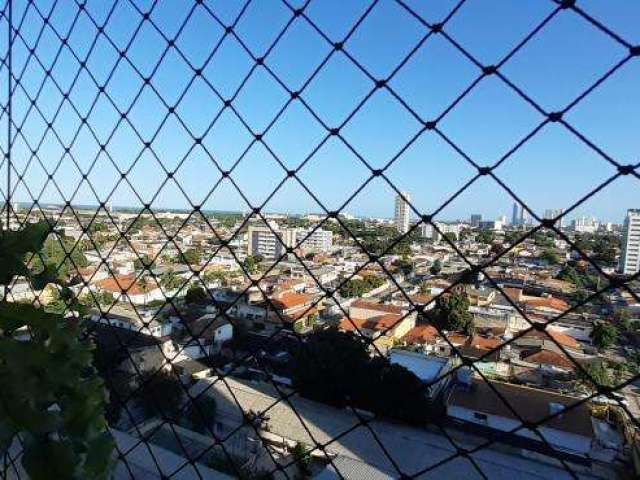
(553, 170)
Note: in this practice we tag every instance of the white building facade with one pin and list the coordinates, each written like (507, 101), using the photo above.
(401, 216)
(630, 255)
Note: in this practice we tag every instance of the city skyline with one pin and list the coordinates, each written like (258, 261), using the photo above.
(543, 173)
(565, 220)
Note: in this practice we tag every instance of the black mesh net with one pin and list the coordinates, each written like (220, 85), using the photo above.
(130, 123)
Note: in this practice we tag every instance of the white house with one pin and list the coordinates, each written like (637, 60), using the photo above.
(130, 320)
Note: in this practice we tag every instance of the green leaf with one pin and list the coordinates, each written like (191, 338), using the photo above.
(99, 456)
(48, 275)
(33, 235)
(15, 245)
(49, 459)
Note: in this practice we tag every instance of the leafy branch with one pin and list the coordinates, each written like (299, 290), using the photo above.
(51, 397)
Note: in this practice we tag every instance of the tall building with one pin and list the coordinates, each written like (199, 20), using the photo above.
(427, 230)
(551, 213)
(401, 217)
(475, 219)
(585, 225)
(261, 240)
(630, 255)
(319, 240)
(515, 214)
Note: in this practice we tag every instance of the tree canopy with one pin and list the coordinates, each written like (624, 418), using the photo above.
(160, 394)
(196, 294)
(451, 313)
(335, 368)
(604, 334)
(357, 287)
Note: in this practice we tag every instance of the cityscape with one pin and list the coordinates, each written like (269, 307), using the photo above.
(234, 293)
(288, 240)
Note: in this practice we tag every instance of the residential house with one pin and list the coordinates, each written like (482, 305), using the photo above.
(136, 290)
(383, 324)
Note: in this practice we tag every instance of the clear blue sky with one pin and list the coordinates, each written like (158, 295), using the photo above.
(551, 171)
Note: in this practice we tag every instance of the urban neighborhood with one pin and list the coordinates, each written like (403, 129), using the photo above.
(434, 334)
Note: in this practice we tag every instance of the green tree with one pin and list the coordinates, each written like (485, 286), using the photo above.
(436, 268)
(335, 368)
(170, 280)
(595, 372)
(201, 413)
(451, 236)
(357, 287)
(196, 294)
(251, 263)
(404, 265)
(541, 239)
(143, 262)
(191, 257)
(550, 256)
(328, 368)
(302, 459)
(102, 298)
(212, 276)
(604, 335)
(451, 312)
(160, 394)
(485, 236)
(59, 257)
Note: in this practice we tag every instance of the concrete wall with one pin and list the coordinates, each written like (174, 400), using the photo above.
(559, 439)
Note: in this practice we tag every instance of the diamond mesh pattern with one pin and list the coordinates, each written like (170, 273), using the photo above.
(64, 65)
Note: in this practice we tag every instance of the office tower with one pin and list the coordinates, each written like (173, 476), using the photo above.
(475, 220)
(515, 214)
(585, 225)
(551, 213)
(630, 255)
(401, 217)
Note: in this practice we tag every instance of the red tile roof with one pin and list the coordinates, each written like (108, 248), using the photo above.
(548, 357)
(482, 343)
(126, 282)
(378, 307)
(563, 339)
(421, 334)
(381, 323)
(288, 300)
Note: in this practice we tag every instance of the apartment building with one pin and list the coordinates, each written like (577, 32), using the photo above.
(272, 241)
(630, 254)
(401, 217)
(269, 241)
